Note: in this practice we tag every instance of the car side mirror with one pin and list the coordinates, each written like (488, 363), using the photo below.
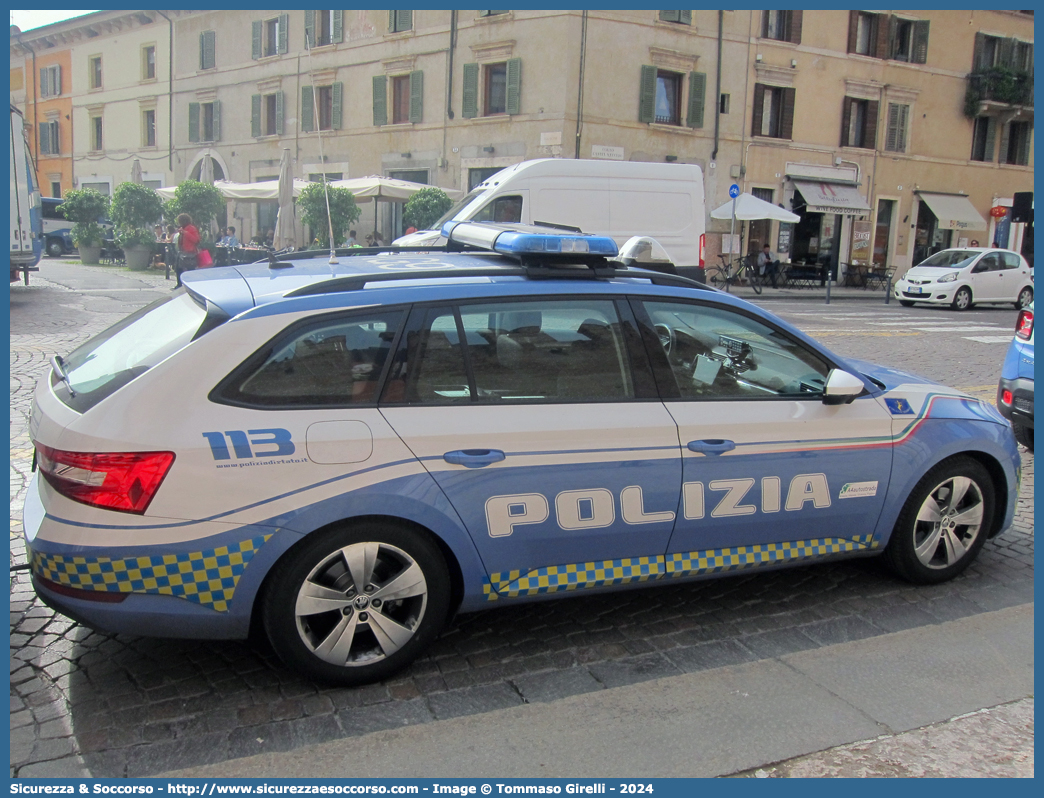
(841, 387)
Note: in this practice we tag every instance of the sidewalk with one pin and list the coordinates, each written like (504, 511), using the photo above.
(907, 703)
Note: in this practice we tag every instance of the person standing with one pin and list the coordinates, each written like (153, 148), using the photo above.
(188, 247)
(768, 264)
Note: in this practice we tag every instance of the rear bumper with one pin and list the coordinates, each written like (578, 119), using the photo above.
(1020, 411)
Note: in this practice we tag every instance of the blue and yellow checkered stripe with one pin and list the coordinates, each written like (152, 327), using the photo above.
(207, 577)
(578, 576)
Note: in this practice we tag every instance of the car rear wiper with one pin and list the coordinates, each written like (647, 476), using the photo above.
(58, 367)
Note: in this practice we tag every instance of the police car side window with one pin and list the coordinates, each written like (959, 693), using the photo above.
(716, 354)
(335, 361)
(569, 350)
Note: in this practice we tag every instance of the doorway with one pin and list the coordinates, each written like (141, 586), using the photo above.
(883, 233)
(929, 238)
(760, 229)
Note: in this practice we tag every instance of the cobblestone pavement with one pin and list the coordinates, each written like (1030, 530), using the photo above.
(87, 703)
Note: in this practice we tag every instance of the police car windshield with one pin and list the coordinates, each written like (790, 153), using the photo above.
(128, 349)
(950, 258)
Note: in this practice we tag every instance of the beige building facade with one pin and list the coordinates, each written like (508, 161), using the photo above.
(892, 133)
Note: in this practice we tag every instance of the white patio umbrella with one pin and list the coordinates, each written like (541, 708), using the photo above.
(748, 207)
(377, 188)
(135, 176)
(284, 235)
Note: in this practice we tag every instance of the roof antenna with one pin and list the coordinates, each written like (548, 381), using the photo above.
(322, 158)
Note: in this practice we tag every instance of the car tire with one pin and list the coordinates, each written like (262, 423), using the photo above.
(906, 303)
(1025, 298)
(929, 544)
(1024, 435)
(962, 300)
(349, 575)
(55, 248)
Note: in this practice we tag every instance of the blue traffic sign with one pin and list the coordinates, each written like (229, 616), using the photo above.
(734, 191)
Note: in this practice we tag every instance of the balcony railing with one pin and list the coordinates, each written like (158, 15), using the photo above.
(999, 85)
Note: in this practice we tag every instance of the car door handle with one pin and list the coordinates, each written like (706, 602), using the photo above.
(473, 458)
(711, 446)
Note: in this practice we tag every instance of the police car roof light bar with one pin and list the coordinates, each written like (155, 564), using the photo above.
(525, 241)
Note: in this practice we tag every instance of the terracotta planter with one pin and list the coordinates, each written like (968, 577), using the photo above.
(137, 257)
(89, 254)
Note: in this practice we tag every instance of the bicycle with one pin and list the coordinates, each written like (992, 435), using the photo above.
(730, 273)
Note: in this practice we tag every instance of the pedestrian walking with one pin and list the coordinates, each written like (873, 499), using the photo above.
(187, 246)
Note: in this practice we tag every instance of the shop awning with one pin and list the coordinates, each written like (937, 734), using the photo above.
(954, 212)
(823, 197)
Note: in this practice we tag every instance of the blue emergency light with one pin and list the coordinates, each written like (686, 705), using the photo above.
(519, 240)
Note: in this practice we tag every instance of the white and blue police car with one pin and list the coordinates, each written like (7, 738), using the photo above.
(349, 453)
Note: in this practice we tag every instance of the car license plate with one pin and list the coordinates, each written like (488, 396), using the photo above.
(915, 289)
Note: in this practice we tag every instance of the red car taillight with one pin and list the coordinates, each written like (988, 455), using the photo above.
(1006, 397)
(1024, 326)
(116, 481)
(703, 244)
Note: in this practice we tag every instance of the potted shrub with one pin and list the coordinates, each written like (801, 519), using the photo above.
(86, 207)
(425, 208)
(135, 210)
(343, 212)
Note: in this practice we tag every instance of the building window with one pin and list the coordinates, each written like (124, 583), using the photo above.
(1016, 151)
(207, 49)
(94, 72)
(96, 134)
(859, 123)
(898, 127)
(1023, 56)
(987, 51)
(148, 62)
(680, 17)
(50, 142)
(323, 28)
(322, 105)
(400, 99)
(501, 88)
(909, 40)
(723, 104)
(983, 135)
(773, 112)
(668, 98)
(399, 21)
(863, 32)
(148, 128)
(56, 189)
(205, 121)
(51, 81)
(784, 26)
(270, 126)
(495, 92)
(269, 36)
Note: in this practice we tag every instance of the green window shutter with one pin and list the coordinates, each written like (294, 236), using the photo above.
(380, 100)
(514, 86)
(920, 42)
(256, 30)
(338, 26)
(1006, 53)
(670, 15)
(255, 116)
(846, 119)
(279, 113)
(193, 120)
(309, 29)
(403, 20)
(284, 30)
(787, 121)
(991, 138)
(758, 113)
(217, 120)
(853, 30)
(44, 84)
(1005, 136)
(469, 97)
(307, 109)
(207, 52)
(794, 23)
(57, 75)
(697, 98)
(417, 96)
(336, 92)
(647, 95)
(1022, 157)
(978, 53)
(685, 17)
(391, 21)
(45, 140)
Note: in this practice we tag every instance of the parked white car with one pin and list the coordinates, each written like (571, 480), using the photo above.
(963, 277)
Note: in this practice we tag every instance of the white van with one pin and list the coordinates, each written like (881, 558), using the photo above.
(620, 199)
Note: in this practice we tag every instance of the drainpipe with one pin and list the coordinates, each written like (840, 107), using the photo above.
(580, 82)
(170, 92)
(717, 82)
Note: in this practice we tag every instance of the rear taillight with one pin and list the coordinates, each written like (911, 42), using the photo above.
(703, 244)
(116, 481)
(1024, 326)
(1006, 397)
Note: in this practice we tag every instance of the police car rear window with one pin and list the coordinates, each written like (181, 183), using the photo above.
(128, 349)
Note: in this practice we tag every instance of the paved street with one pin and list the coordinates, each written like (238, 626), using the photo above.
(83, 702)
